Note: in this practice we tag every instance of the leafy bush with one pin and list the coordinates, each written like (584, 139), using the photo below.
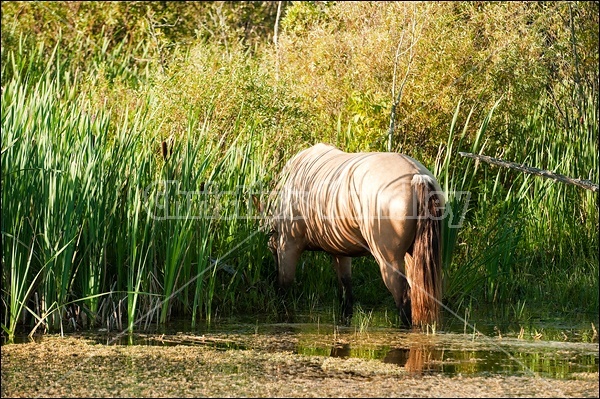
(474, 51)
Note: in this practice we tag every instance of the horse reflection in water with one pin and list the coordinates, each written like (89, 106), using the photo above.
(417, 359)
(385, 204)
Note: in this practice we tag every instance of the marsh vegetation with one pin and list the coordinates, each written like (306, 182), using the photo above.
(135, 135)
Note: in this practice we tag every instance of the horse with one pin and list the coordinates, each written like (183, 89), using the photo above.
(354, 204)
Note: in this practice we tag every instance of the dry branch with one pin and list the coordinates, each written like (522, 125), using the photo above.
(587, 184)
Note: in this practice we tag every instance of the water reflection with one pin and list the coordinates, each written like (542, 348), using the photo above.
(417, 359)
(421, 359)
(342, 351)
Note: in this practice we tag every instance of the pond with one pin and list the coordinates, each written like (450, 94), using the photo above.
(256, 356)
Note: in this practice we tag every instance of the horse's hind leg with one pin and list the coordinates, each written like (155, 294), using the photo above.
(343, 268)
(394, 277)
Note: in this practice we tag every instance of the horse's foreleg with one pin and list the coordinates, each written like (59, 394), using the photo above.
(343, 268)
(287, 257)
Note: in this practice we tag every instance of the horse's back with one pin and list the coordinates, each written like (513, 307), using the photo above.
(344, 202)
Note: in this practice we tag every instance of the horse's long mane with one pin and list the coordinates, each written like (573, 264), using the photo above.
(425, 267)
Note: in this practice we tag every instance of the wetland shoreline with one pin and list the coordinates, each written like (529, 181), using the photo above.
(262, 365)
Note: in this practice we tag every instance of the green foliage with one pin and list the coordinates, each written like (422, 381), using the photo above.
(525, 237)
(147, 32)
(476, 51)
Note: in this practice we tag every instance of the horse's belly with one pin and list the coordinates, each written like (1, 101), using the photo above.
(336, 240)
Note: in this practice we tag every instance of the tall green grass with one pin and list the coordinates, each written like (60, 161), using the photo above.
(96, 220)
(106, 216)
(524, 238)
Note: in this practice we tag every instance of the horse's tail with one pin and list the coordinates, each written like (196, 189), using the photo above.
(426, 265)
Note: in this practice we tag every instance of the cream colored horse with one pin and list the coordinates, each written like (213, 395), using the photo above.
(385, 204)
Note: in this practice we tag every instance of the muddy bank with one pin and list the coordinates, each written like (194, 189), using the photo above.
(83, 367)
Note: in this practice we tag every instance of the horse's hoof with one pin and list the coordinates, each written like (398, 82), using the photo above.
(346, 320)
(286, 318)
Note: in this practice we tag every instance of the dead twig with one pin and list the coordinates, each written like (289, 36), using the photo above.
(587, 184)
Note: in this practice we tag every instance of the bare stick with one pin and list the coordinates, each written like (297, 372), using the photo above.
(397, 97)
(275, 41)
(587, 184)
